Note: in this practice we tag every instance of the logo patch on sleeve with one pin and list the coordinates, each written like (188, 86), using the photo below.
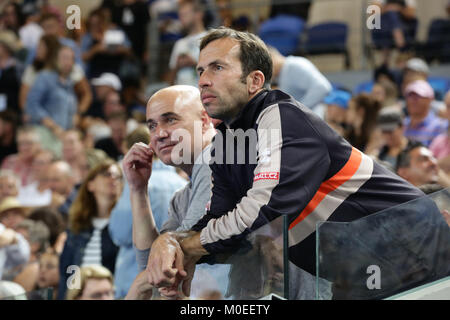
(267, 176)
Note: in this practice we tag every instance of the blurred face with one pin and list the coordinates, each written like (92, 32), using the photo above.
(48, 271)
(335, 114)
(102, 91)
(118, 129)
(27, 146)
(12, 218)
(171, 124)
(66, 60)
(40, 165)
(112, 103)
(51, 27)
(417, 106)
(107, 184)
(223, 92)
(72, 146)
(423, 168)
(97, 289)
(59, 180)
(378, 93)
(187, 17)
(8, 187)
(10, 17)
(393, 138)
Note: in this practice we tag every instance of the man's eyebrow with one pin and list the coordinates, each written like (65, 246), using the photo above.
(213, 63)
(164, 116)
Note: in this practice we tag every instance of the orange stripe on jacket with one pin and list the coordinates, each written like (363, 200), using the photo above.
(343, 175)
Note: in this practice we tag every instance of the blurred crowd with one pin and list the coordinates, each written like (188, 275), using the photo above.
(72, 102)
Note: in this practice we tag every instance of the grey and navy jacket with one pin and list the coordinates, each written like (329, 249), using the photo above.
(303, 169)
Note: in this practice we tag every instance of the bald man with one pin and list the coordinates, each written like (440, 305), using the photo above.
(180, 135)
(62, 185)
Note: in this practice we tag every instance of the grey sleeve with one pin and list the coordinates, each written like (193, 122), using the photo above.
(141, 258)
(174, 212)
(198, 199)
(18, 253)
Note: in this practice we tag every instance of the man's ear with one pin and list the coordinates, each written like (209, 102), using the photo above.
(404, 173)
(255, 81)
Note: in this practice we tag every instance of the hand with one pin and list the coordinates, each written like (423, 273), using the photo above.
(446, 215)
(185, 60)
(137, 166)
(57, 200)
(7, 238)
(140, 289)
(165, 262)
(173, 292)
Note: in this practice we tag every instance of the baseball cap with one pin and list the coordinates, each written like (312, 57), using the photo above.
(9, 203)
(108, 79)
(338, 97)
(420, 87)
(389, 120)
(417, 64)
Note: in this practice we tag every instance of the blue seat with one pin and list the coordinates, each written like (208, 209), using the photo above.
(327, 37)
(282, 32)
(365, 87)
(440, 86)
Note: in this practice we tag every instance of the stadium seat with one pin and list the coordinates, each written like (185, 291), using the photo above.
(282, 32)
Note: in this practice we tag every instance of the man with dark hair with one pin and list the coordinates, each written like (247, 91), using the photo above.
(303, 169)
(417, 165)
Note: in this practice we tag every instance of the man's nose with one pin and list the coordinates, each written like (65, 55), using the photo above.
(204, 80)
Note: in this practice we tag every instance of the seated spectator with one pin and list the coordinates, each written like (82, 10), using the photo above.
(38, 193)
(386, 93)
(52, 25)
(390, 122)
(28, 145)
(162, 185)
(10, 72)
(422, 124)
(30, 31)
(113, 145)
(88, 240)
(11, 17)
(48, 275)
(313, 87)
(185, 52)
(8, 127)
(417, 165)
(103, 85)
(80, 159)
(104, 47)
(14, 249)
(62, 184)
(37, 235)
(12, 213)
(440, 146)
(46, 59)
(96, 283)
(54, 223)
(336, 112)
(9, 184)
(51, 101)
(362, 121)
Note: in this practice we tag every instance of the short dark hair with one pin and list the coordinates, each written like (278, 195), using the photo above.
(404, 158)
(254, 54)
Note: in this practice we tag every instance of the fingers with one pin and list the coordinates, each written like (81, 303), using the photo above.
(140, 154)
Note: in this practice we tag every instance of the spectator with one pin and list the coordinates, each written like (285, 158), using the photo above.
(37, 235)
(440, 146)
(52, 25)
(113, 145)
(10, 72)
(54, 223)
(385, 92)
(46, 59)
(38, 193)
(161, 187)
(62, 184)
(313, 87)
(30, 32)
(80, 159)
(422, 124)
(184, 56)
(336, 112)
(12, 17)
(417, 165)
(12, 213)
(390, 122)
(361, 122)
(48, 275)
(104, 47)
(88, 240)
(113, 104)
(8, 127)
(28, 143)
(14, 249)
(96, 284)
(103, 85)
(52, 101)
(9, 184)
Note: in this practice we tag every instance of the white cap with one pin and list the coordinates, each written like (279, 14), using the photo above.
(108, 79)
(417, 64)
